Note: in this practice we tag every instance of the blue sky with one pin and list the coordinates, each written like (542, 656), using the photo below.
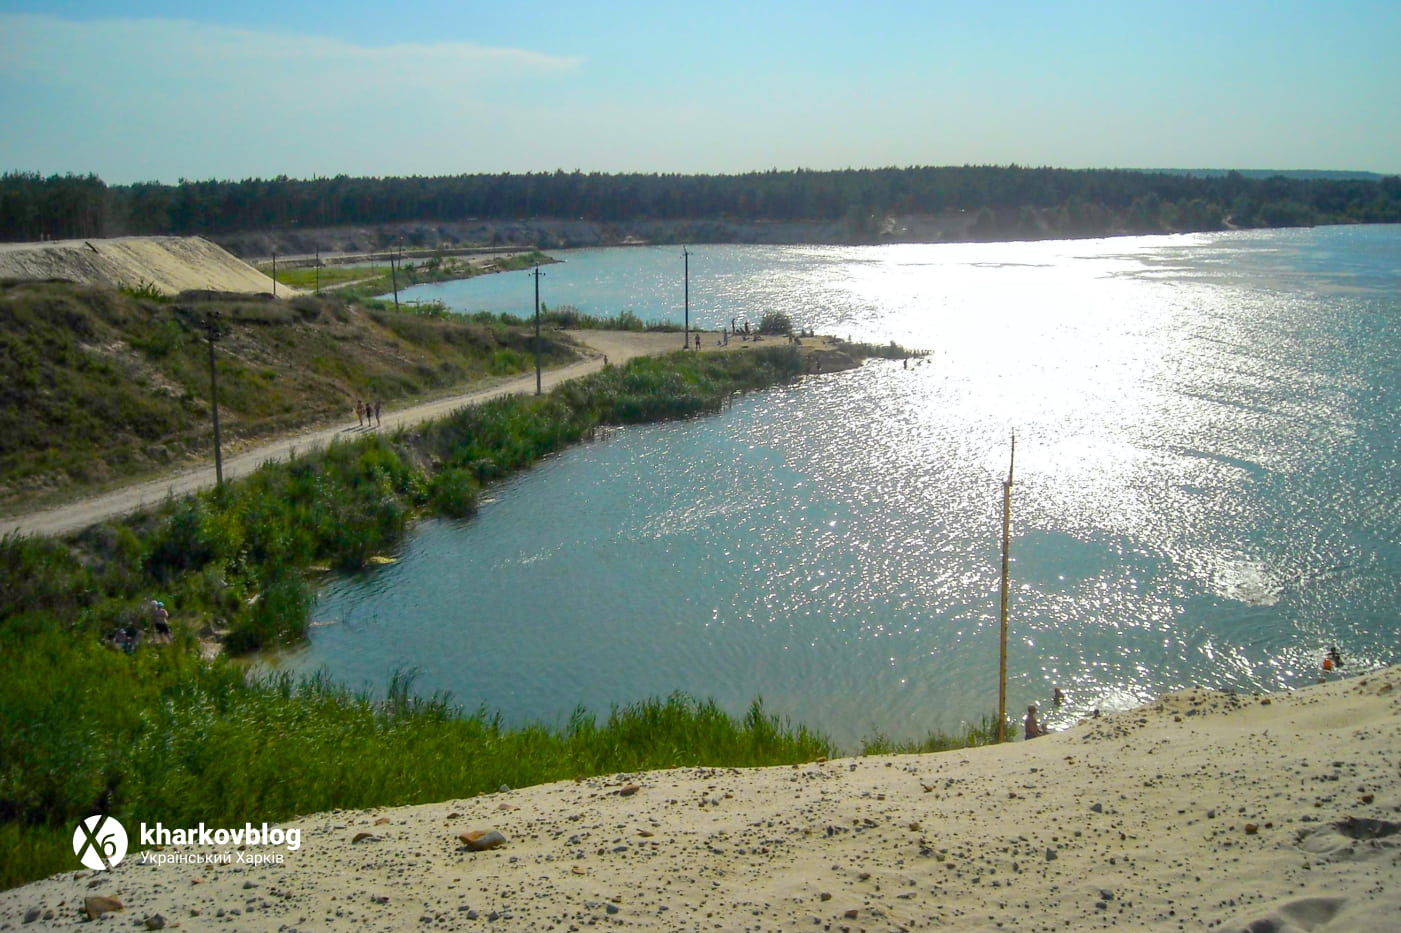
(136, 91)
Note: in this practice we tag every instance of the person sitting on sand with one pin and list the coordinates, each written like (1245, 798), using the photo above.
(1033, 728)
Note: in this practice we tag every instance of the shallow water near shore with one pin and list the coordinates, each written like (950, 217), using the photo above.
(1206, 492)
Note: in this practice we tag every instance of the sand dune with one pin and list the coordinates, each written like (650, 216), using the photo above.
(1202, 811)
(170, 264)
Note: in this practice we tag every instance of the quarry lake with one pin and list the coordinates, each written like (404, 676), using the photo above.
(1207, 492)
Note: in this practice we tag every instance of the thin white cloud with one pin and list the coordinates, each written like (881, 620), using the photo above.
(148, 98)
(161, 58)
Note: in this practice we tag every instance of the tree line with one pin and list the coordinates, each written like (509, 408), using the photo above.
(1004, 202)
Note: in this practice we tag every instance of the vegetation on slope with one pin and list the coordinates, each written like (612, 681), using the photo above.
(97, 386)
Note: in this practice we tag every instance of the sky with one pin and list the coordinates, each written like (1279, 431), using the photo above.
(148, 90)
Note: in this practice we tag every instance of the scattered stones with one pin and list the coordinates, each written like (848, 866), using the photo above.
(32, 914)
(364, 837)
(95, 905)
(155, 922)
(628, 790)
(381, 821)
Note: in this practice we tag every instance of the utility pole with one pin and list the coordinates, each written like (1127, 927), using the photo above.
(318, 270)
(686, 255)
(536, 274)
(1006, 551)
(274, 273)
(211, 331)
(395, 274)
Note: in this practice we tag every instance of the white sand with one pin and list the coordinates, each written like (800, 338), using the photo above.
(1139, 820)
(170, 264)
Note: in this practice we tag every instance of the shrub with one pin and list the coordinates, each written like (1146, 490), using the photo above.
(280, 614)
(776, 322)
(454, 493)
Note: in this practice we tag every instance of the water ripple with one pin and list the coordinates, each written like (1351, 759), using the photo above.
(1206, 493)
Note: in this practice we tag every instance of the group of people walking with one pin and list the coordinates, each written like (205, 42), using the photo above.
(368, 414)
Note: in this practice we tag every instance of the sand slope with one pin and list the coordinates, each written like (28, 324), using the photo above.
(170, 264)
(1203, 811)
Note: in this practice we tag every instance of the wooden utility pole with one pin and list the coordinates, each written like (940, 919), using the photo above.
(536, 274)
(394, 273)
(211, 331)
(1006, 560)
(686, 255)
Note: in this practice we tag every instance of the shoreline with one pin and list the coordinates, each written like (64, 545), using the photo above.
(1201, 810)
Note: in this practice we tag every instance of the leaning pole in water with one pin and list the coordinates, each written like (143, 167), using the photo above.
(1006, 547)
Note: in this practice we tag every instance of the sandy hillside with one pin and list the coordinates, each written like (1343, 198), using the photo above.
(170, 264)
(1203, 811)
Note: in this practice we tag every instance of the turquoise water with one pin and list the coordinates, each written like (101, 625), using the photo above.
(1206, 492)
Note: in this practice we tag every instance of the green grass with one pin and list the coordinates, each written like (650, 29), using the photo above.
(331, 276)
(159, 735)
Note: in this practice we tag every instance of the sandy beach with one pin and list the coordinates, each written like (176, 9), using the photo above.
(1204, 810)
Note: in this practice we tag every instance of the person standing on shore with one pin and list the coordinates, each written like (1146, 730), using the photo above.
(359, 413)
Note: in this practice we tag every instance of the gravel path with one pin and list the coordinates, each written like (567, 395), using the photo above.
(616, 346)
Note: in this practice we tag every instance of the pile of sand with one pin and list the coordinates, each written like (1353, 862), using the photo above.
(168, 264)
(1202, 811)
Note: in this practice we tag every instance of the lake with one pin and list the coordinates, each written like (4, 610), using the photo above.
(1206, 491)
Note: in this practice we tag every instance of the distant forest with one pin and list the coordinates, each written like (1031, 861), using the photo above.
(1001, 202)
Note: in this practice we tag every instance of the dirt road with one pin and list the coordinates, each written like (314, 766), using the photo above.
(616, 346)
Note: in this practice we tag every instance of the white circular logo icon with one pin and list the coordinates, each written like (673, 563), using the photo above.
(100, 842)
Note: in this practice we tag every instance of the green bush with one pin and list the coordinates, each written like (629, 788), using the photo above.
(776, 323)
(280, 614)
(454, 493)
